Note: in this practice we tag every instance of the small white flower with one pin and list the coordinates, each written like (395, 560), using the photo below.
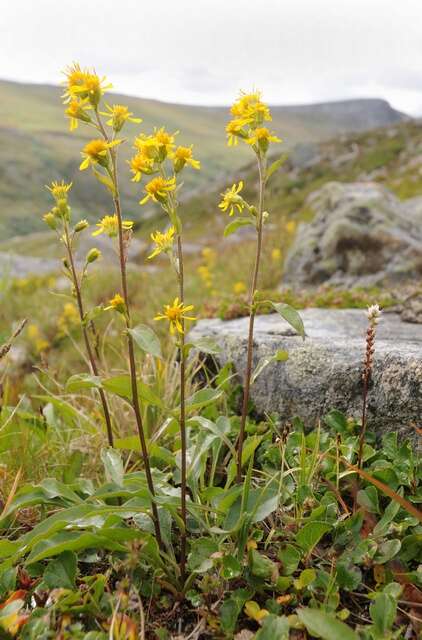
(373, 314)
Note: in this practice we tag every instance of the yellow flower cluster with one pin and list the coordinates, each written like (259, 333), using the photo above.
(151, 152)
(84, 89)
(249, 114)
(117, 303)
(68, 319)
(118, 115)
(61, 210)
(163, 242)
(97, 152)
(110, 226)
(205, 270)
(176, 315)
(36, 338)
(232, 200)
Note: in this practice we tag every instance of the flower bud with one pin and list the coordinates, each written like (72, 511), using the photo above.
(49, 218)
(81, 225)
(93, 255)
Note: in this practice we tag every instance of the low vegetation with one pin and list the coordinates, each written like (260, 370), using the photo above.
(143, 496)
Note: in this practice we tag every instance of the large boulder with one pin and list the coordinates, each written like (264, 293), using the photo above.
(360, 235)
(324, 371)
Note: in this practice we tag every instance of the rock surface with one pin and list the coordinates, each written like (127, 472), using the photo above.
(324, 371)
(361, 235)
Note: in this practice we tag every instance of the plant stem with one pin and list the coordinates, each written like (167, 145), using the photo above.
(131, 350)
(88, 347)
(370, 348)
(182, 414)
(252, 292)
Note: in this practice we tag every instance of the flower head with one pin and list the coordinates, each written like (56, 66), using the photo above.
(262, 137)
(182, 156)
(373, 314)
(239, 287)
(156, 146)
(158, 189)
(250, 109)
(77, 110)
(163, 242)
(232, 200)
(176, 315)
(119, 114)
(59, 190)
(235, 130)
(50, 219)
(117, 303)
(96, 152)
(110, 226)
(84, 84)
(140, 164)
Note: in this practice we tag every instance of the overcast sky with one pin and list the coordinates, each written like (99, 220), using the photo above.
(204, 51)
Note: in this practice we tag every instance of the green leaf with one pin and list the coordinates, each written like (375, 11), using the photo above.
(82, 381)
(274, 628)
(146, 339)
(386, 551)
(122, 386)
(383, 613)
(231, 567)
(202, 398)
(105, 180)
(368, 498)
(261, 566)
(289, 557)
(324, 625)
(230, 609)
(280, 356)
(291, 316)
(275, 166)
(310, 534)
(61, 572)
(235, 224)
(205, 345)
(307, 577)
(199, 559)
(113, 465)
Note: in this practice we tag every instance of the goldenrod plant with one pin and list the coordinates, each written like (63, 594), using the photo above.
(157, 155)
(86, 89)
(59, 220)
(247, 125)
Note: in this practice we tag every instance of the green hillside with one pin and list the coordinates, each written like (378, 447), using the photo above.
(36, 146)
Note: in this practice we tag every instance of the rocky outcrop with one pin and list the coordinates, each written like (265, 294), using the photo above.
(360, 235)
(324, 371)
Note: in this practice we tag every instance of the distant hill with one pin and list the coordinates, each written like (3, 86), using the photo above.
(37, 147)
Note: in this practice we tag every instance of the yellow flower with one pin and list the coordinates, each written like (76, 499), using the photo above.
(119, 115)
(68, 319)
(231, 199)
(77, 110)
(276, 255)
(175, 314)
(96, 151)
(182, 156)
(117, 304)
(234, 130)
(163, 242)
(35, 337)
(59, 190)
(158, 189)
(239, 287)
(139, 164)
(83, 83)
(156, 146)
(291, 226)
(50, 219)
(110, 226)
(262, 137)
(249, 109)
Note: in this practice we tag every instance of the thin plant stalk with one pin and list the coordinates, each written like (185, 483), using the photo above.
(89, 350)
(131, 350)
(252, 306)
(182, 414)
(373, 315)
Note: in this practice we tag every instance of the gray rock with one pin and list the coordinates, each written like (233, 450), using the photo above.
(324, 371)
(361, 235)
(16, 266)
